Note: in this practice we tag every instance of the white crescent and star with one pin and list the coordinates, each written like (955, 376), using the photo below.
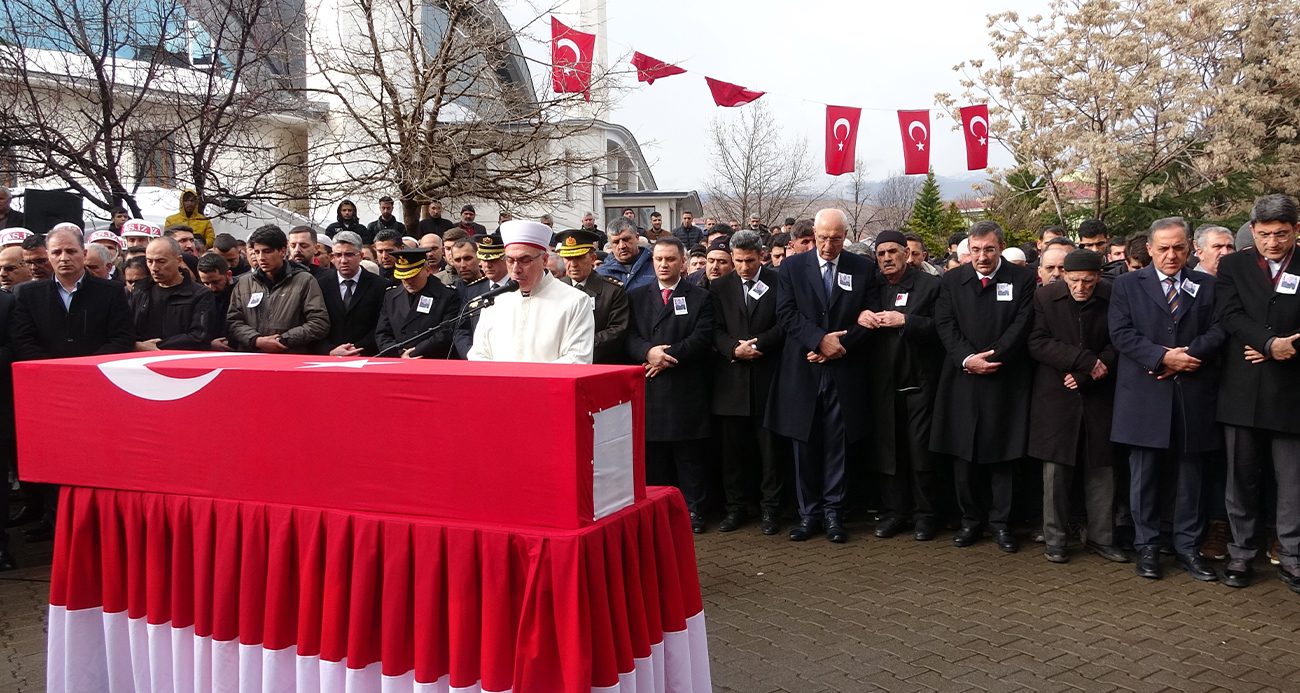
(577, 54)
(835, 131)
(982, 138)
(134, 376)
(925, 134)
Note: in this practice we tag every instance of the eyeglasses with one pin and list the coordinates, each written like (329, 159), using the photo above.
(340, 256)
(525, 261)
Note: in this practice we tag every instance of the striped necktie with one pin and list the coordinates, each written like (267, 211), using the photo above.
(1171, 295)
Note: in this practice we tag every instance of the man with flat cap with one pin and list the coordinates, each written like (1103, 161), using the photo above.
(1073, 395)
(546, 320)
(608, 300)
(906, 356)
(418, 303)
(492, 263)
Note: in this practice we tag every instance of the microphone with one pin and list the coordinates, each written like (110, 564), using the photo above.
(510, 285)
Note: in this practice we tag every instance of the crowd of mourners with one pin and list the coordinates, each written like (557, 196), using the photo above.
(1124, 395)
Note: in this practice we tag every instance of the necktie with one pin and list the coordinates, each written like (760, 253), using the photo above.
(749, 298)
(828, 278)
(984, 282)
(492, 286)
(666, 294)
(348, 286)
(1171, 295)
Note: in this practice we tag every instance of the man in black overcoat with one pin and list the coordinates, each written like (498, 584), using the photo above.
(1259, 394)
(905, 358)
(748, 340)
(981, 414)
(670, 334)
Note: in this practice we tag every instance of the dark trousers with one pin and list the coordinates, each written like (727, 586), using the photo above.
(1099, 502)
(679, 463)
(1247, 448)
(1188, 516)
(977, 482)
(819, 463)
(749, 450)
(913, 489)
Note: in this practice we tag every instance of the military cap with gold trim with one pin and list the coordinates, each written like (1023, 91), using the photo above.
(576, 242)
(490, 247)
(409, 262)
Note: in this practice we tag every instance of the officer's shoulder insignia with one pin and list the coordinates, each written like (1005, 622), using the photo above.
(477, 281)
(611, 280)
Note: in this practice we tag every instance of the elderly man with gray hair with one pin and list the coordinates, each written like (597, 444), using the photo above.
(1212, 243)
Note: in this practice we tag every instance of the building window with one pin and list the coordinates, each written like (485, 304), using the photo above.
(155, 159)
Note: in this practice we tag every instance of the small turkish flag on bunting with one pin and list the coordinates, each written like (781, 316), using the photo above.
(649, 69)
(728, 94)
(841, 138)
(975, 125)
(915, 129)
(571, 56)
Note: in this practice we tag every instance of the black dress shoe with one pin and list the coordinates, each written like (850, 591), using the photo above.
(1110, 553)
(41, 531)
(1006, 541)
(25, 515)
(731, 522)
(1291, 576)
(835, 530)
(7, 561)
(697, 523)
(925, 530)
(770, 524)
(1197, 567)
(1238, 573)
(891, 527)
(1056, 554)
(1148, 562)
(805, 530)
(966, 536)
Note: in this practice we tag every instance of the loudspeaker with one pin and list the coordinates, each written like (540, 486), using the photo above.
(45, 208)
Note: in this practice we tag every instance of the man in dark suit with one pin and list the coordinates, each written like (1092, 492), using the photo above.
(981, 413)
(491, 261)
(1259, 309)
(818, 398)
(906, 355)
(748, 339)
(670, 334)
(608, 300)
(1074, 388)
(70, 314)
(1162, 323)
(354, 299)
(417, 304)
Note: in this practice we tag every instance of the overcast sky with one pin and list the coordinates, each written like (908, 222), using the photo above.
(805, 54)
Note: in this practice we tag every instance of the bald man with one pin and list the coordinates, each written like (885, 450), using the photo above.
(819, 400)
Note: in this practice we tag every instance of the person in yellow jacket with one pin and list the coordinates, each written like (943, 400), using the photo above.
(191, 215)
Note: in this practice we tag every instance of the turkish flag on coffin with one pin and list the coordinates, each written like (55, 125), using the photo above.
(975, 125)
(841, 138)
(649, 69)
(571, 56)
(728, 94)
(915, 129)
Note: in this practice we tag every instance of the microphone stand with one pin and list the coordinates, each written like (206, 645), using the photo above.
(480, 302)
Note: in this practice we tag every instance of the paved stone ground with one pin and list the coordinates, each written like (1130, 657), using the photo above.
(900, 615)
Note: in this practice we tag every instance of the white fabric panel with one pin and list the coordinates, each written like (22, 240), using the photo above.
(613, 482)
(90, 650)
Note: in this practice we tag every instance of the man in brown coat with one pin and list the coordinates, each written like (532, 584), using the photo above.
(1074, 389)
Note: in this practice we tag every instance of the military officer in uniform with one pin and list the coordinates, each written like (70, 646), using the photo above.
(418, 303)
(492, 262)
(578, 248)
